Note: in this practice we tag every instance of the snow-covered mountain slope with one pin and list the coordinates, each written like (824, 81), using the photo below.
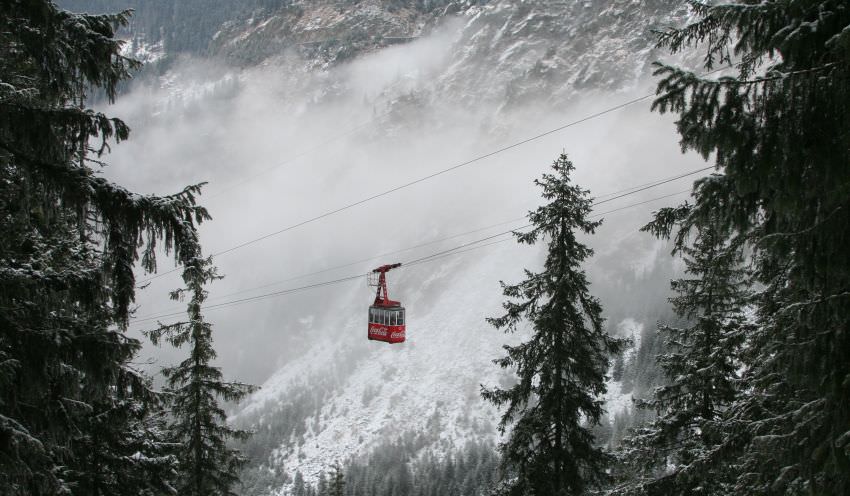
(474, 79)
(428, 385)
(499, 54)
(505, 51)
(513, 52)
(322, 32)
(389, 390)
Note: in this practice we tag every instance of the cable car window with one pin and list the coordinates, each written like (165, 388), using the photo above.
(371, 315)
(384, 317)
(394, 320)
(401, 317)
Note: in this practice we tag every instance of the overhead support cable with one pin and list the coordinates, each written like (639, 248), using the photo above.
(618, 194)
(415, 181)
(433, 175)
(428, 177)
(462, 248)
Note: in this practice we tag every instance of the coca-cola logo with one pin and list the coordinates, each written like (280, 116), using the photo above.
(397, 335)
(377, 331)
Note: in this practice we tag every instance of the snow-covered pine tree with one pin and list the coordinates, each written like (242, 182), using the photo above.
(299, 487)
(778, 132)
(70, 242)
(337, 483)
(674, 453)
(207, 466)
(125, 449)
(322, 485)
(561, 369)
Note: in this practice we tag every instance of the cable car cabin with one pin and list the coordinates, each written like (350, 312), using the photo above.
(386, 324)
(386, 317)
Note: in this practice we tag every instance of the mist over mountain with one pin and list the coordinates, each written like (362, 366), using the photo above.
(292, 109)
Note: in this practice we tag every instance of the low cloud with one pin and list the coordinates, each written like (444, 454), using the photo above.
(278, 145)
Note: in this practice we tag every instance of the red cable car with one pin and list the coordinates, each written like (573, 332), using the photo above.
(386, 317)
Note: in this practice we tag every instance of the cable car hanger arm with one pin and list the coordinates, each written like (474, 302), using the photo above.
(384, 300)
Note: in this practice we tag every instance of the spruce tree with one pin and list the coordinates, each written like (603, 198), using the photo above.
(673, 453)
(777, 129)
(125, 449)
(70, 242)
(299, 487)
(207, 466)
(561, 369)
(337, 482)
(322, 485)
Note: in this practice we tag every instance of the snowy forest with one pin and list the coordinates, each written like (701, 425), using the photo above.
(615, 234)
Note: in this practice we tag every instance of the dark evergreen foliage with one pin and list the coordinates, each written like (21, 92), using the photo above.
(75, 418)
(778, 132)
(400, 468)
(283, 424)
(392, 470)
(299, 487)
(672, 454)
(550, 449)
(207, 466)
(124, 450)
(337, 483)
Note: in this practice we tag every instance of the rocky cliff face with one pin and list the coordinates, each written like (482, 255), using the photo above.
(489, 60)
(322, 33)
(507, 51)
